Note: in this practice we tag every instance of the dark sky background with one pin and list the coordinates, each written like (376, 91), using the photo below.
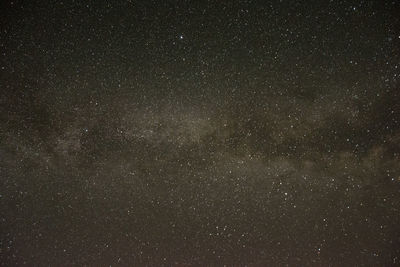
(194, 133)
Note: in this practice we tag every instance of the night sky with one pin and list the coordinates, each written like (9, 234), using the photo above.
(193, 133)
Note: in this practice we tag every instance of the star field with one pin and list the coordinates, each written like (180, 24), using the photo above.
(196, 133)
